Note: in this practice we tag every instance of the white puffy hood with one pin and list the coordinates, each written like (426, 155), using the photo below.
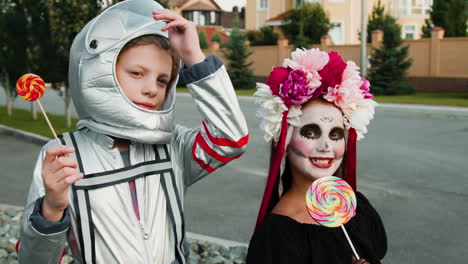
(101, 104)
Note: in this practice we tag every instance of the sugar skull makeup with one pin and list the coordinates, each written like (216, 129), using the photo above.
(317, 146)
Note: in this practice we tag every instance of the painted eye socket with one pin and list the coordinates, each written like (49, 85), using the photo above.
(312, 131)
(336, 133)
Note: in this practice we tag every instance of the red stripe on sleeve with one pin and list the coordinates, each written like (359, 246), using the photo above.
(225, 141)
(202, 142)
(202, 164)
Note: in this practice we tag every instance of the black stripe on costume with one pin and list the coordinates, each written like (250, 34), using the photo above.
(75, 200)
(91, 227)
(171, 215)
(97, 186)
(168, 157)
(156, 153)
(105, 173)
(179, 204)
(78, 156)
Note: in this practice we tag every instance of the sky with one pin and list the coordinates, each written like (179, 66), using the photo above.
(228, 4)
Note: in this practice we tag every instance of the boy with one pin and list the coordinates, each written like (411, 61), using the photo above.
(115, 187)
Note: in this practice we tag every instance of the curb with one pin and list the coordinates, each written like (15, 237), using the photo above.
(28, 136)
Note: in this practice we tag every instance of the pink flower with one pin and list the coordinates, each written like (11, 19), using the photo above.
(307, 60)
(332, 73)
(276, 78)
(365, 88)
(344, 97)
(299, 87)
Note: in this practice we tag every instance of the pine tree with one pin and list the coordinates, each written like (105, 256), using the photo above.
(202, 39)
(390, 62)
(450, 15)
(216, 38)
(376, 20)
(307, 24)
(237, 52)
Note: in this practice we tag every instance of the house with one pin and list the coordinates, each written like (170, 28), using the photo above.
(345, 15)
(207, 15)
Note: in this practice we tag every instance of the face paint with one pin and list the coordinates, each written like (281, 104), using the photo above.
(317, 147)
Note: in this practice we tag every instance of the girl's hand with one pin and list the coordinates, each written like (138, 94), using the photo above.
(183, 36)
(58, 173)
(361, 261)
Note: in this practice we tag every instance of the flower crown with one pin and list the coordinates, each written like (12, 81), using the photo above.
(313, 74)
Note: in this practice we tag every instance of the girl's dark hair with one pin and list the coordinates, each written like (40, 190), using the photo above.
(160, 42)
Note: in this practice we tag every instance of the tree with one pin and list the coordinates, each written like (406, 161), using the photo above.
(237, 52)
(376, 20)
(216, 38)
(390, 62)
(13, 51)
(266, 36)
(306, 24)
(202, 39)
(448, 14)
(67, 18)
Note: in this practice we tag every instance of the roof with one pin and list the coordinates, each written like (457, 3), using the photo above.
(277, 20)
(210, 31)
(201, 6)
(279, 17)
(179, 3)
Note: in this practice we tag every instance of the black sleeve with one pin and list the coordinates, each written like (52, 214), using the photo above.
(259, 247)
(369, 231)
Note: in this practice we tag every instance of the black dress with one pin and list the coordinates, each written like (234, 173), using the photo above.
(282, 240)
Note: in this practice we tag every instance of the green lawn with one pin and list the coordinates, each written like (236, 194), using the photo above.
(22, 119)
(449, 99)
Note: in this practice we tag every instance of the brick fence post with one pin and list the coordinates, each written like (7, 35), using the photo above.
(377, 38)
(437, 33)
(283, 50)
(325, 41)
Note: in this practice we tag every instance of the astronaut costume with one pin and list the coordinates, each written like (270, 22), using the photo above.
(165, 159)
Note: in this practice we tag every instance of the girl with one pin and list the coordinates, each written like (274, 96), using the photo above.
(315, 107)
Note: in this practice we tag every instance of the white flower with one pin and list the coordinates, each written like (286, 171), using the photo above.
(361, 116)
(270, 111)
(294, 115)
(263, 93)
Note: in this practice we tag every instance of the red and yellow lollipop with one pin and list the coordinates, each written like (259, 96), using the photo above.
(31, 87)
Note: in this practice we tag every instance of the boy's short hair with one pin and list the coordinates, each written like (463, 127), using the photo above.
(160, 42)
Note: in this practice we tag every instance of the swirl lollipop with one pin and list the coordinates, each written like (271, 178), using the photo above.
(31, 87)
(331, 202)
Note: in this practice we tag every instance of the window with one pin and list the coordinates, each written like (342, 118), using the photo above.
(262, 4)
(298, 3)
(409, 31)
(337, 32)
(413, 7)
(212, 17)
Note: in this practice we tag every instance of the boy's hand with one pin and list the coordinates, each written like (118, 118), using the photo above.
(58, 173)
(182, 35)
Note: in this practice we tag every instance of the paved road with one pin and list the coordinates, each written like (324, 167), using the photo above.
(412, 166)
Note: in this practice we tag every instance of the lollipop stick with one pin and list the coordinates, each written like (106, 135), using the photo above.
(350, 243)
(48, 122)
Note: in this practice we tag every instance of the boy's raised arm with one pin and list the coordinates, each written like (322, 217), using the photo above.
(223, 135)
